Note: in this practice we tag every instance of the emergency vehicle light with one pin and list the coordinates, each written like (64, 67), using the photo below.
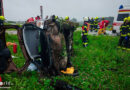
(121, 7)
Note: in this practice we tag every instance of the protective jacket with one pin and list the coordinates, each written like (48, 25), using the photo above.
(123, 30)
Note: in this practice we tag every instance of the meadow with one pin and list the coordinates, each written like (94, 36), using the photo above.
(100, 65)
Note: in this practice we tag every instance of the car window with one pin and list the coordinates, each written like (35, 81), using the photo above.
(121, 17)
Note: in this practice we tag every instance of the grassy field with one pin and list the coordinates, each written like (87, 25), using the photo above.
(101, 66)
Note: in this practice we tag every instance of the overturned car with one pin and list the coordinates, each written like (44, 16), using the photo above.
(42, 47)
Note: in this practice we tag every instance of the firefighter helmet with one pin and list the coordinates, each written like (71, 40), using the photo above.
(96, 18)
(2, 18)
(129, 18)
(67, 18)
(56, 17)
(85, 18)
(125, 19)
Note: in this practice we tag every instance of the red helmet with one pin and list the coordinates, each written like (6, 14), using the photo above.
(30, 20)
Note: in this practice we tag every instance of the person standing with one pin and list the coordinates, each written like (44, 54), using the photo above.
(2, 18)
(37, 18)
(123, 34)
(91, 24)
(68, 34)
(85, 29)
(103, 24)
(96, 24)
(128, 35)
(89, 20)
(67, 18)
(30, 20)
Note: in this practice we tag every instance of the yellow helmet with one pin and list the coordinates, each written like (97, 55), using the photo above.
(67, 18)
(2, 18)
(129, 18)
(56, 17)
(125, 19)
(96, 17)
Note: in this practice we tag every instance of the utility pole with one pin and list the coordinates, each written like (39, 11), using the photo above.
(41, 11)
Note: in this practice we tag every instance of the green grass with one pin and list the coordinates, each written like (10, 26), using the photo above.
(101, 66)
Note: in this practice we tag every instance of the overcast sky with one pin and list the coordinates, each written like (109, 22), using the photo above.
(23, 9)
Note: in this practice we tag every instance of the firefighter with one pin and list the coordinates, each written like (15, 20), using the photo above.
(67, 18)
(56, 17)
(125, 43)
(69, 43)
(123, 34)
(2, 18)
(57, 21)
(96, 24)
(101, 27)
(37, 18)
(30, 20)
(103, 24)
(128, 35)
(89, 20)
(85, 32)
(91, 24)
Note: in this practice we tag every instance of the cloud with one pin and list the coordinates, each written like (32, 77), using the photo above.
(23, 9)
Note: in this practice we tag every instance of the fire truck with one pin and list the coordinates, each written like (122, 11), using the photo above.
(124, 11)
(1, 8)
